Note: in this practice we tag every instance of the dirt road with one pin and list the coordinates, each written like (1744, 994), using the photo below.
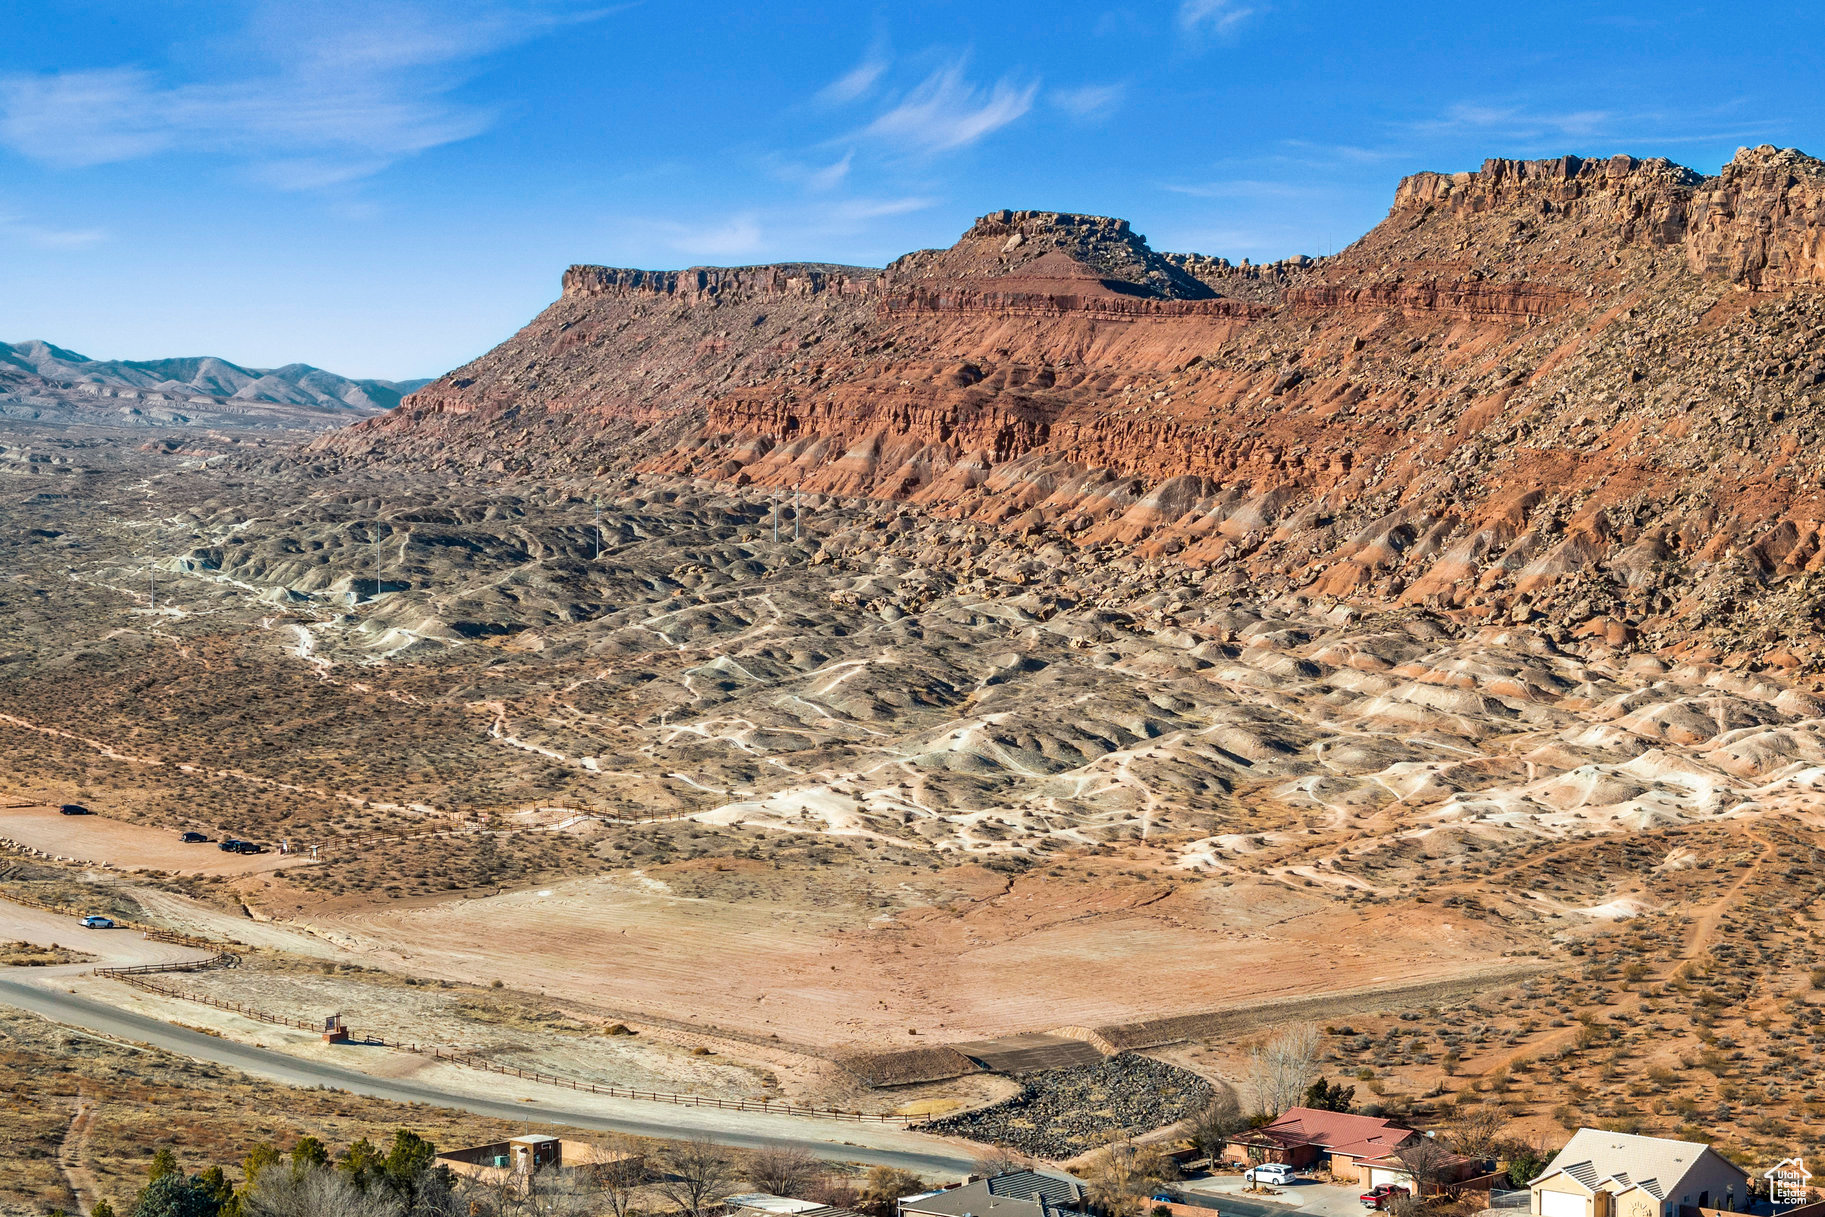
(870, 1144)
(117, 948)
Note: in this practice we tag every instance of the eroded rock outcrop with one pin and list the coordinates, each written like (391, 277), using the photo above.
(1587, 392)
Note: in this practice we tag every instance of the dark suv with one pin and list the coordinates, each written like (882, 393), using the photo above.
(229, 846)
(75, 809)
(191, 838)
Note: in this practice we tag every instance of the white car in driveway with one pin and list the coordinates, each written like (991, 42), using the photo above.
(97, 923)
(1278, 1173)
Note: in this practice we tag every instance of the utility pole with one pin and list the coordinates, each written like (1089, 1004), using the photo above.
(377, 558)
(152, 580)
(598, 532)
(796, 514)
(776, 517)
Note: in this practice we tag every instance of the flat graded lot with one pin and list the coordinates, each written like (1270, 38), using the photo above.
(1086, 954)
(102, 841)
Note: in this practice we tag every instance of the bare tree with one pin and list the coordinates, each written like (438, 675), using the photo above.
(316, 1191)
(694, 1176)
(1279, 1069)
(1432, 1166)
(840, 1193)
(783, 1170)
(883, 1188)
(1211, 1127)
(1000, 1160)
(1475, 1129)
(561, 1193)
(618, 1167)
(1125, 1175)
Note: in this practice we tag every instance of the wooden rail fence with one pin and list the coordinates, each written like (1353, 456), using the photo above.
(150, 931)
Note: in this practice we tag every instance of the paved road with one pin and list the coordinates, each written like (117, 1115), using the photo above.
(1232, 1206)
(927, 1156)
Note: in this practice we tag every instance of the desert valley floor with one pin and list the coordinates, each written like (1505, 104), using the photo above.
(808, 813)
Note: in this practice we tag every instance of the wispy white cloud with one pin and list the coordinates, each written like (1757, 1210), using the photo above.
(946, 111)
(1244, 188)
(18, 228)
(1089, 101)
(858, 81)
(761, 235)
(732, 238)
(1519, 129)
(832, 175)
(854, 212)
(1122, 22)
(1212, 18)
(351, 88)
(1515, 121)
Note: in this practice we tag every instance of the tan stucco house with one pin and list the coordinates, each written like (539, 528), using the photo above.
(1613, 1174)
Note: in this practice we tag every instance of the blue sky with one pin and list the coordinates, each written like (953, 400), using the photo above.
(389, 187)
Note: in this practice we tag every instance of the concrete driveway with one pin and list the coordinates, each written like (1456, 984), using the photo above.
(1307, 1197)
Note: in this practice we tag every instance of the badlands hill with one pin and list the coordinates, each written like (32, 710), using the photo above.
(1587, 392)
(46, 382)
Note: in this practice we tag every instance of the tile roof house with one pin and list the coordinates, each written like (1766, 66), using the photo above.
(1339, 1141)
(1028, 1193)
(1613, 1174)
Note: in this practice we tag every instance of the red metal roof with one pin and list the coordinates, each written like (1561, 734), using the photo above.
(1339, 1132)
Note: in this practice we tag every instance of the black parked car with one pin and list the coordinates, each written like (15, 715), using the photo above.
(229, 846)
(75, 809)
(190, 838)
(249, 847)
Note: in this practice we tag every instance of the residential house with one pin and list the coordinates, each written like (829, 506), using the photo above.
(1341, 1142)
(1613, 1174)
(765, 1204)
(1027, 1193)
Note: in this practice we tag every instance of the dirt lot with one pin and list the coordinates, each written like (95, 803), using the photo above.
(837, 979)
(102, 841)
(118, 946)
(522, 1036)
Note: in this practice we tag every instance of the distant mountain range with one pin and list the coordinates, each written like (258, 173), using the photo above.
(42, 381)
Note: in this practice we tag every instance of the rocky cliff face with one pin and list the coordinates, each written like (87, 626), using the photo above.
(1589, 393)
(1761, 222)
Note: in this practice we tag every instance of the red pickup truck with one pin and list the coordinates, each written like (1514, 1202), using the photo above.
(1382, 1195)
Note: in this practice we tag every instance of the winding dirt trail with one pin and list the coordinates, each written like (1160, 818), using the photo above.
(72, 1157)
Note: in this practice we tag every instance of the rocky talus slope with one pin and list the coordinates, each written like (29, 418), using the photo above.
(1584, 391)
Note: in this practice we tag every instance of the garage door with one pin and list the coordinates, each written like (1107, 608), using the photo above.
(1562, 1204)
(1377, 1177)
